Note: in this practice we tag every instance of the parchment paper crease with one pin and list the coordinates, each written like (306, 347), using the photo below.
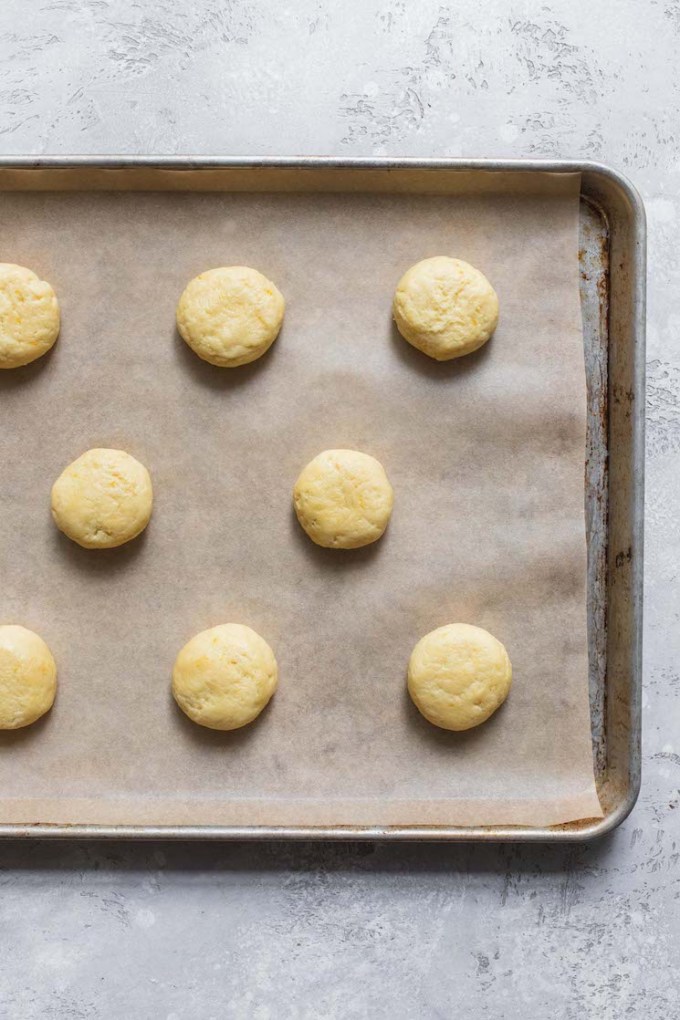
(486, 456)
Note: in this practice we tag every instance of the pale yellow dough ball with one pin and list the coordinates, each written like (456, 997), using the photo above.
(28, 677)
(445, 307)
(103, 499)
(230, 316)
(29, 316)
(343, 499)
(224, 677)
(458, 676)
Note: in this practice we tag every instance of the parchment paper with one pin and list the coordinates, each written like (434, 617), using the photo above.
(486, 456)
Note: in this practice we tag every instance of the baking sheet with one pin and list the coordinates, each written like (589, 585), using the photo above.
(485, 455)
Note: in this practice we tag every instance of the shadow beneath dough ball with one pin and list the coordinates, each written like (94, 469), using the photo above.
(221, 740)
(439, 371)
(16, 378)
(215, 378)
(452, 740)
(16, 738)
(334, 560)
(100, 561)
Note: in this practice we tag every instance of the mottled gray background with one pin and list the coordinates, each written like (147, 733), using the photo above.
(303, 931)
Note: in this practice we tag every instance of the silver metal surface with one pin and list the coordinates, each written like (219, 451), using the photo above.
(612, 259)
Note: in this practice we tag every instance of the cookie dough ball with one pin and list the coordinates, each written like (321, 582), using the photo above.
(458, 676)
(230, 316)
(103, 499)
(445, 307)
(224, 677)
(29, 316)
(343, 499)
(28, 677)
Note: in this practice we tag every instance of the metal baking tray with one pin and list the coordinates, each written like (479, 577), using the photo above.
(612, 263)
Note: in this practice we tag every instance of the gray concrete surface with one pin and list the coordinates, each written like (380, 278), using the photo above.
(193, 932)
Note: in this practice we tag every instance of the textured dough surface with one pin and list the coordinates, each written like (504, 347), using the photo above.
(445, 307)
(29, 316)
(230, 316)
(458, 676)
(343, 499)
(28, 677)
(103, 499)
(224, 676)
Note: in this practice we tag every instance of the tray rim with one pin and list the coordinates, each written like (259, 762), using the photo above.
(571, 832)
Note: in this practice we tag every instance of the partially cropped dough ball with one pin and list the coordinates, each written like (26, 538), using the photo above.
(29, 316)
(458, 676)
(103, 499)
(224, 677)
(230, 316)
(28, 677)
(445, 307)
(343, 499)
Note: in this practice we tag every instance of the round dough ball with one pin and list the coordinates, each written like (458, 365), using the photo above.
(224, 677)
(29, 316)
(458, 676)
(445, 307)
(343, 499)
(230, 316)
(28, 677)
(103, 499)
